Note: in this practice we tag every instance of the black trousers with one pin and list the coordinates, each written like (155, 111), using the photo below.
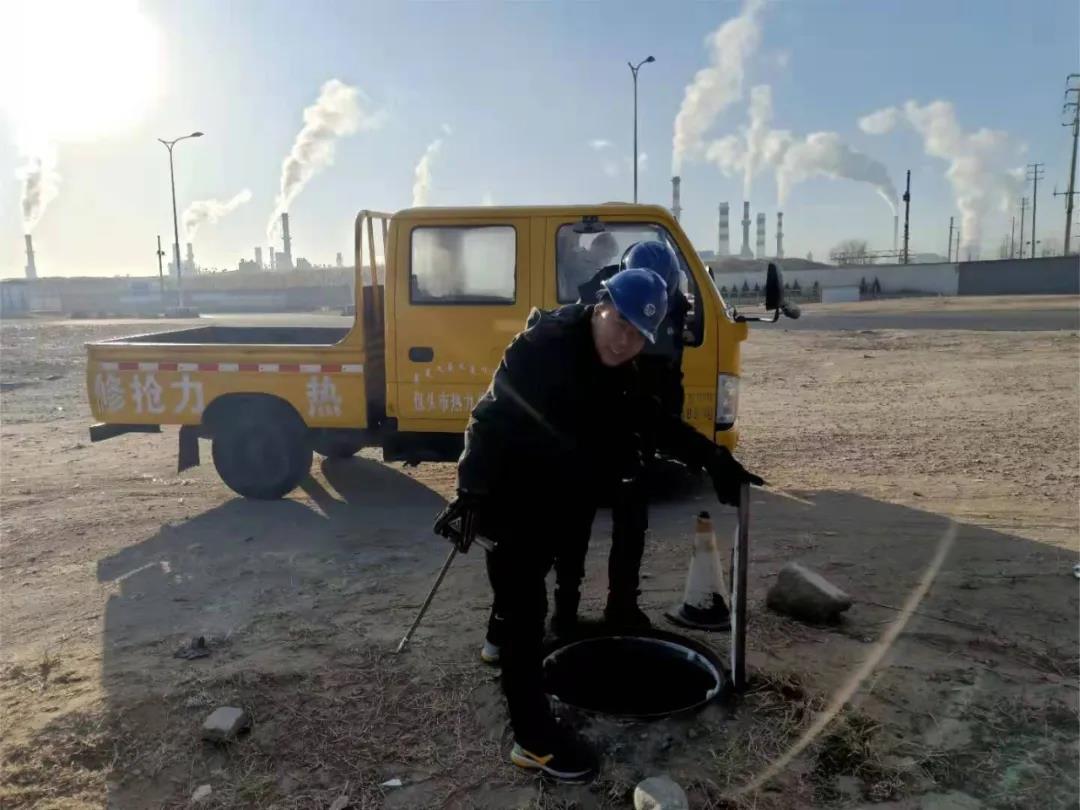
(629, 522)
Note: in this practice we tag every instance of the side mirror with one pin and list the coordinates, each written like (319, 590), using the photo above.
(774, 300)
(774, 288)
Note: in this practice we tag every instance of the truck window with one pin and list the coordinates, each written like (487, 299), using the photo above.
(580, 256)
(463, 265)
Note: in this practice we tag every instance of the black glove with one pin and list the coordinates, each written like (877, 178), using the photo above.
(728, 476)
(457, 522)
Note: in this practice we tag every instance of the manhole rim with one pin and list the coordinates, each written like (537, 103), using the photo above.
(706, 657)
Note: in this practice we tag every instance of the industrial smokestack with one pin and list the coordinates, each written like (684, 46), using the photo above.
(676, 208)
(761, 236)
(779, 234)
(31, 265)
(744, 251)
(190, 258)
(286, 239)
(258, 257)
(723, 232)
(270, 258)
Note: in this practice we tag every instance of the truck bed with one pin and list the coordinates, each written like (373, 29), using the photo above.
(242, 336)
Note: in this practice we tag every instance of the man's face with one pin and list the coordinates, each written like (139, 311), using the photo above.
(616, 340)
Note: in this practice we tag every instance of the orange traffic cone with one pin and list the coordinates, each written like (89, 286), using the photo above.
(705, 600)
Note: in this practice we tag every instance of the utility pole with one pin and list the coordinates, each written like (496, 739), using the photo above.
(950, 240)
(634, 70)
(1023, 211)
(1012, 238)
(160, 272)
(1075, 105)
(1035, 172)
(907, 216)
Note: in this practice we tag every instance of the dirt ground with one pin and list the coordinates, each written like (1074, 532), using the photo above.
(899, 462)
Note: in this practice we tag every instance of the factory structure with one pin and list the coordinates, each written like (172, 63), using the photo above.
(723, 229)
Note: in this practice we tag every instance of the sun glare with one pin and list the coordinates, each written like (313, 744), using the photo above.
(80, 70)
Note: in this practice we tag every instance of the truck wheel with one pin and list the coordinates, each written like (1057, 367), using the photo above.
(263, 454)
(336, 446)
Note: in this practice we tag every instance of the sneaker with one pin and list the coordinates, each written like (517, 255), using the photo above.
(568, 759)
(489, 653)
(626, 615)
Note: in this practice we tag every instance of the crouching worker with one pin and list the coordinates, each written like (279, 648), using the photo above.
(556, 426)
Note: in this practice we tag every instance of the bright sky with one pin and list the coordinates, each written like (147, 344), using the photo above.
(517, 93)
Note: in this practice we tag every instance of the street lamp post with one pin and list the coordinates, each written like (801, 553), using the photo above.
(176, 225)
(634, 70)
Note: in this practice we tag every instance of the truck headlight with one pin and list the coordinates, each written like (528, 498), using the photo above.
(727, 400)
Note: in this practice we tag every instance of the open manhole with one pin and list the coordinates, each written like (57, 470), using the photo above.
(641, 676)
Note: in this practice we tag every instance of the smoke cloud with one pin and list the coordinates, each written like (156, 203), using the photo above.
(337, 112)
(40, 184)
(980, 167)
(793, 160)
(422, 183)
(718, 86)
(824, 154)
(210, 211)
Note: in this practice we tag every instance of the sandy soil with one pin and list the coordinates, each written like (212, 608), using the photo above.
(947, 459)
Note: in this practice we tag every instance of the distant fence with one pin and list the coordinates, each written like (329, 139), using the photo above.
(1053, 275)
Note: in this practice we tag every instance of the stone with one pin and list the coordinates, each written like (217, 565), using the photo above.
(953, 800)
(660, 793)
(201, 794)
(340, 803)
(225, 724)
(802, 594)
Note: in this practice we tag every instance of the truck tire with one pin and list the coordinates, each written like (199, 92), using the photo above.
(331, 446)
(262, 453)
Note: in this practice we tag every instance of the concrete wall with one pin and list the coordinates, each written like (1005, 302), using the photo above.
(926, 279)
(1055, 275)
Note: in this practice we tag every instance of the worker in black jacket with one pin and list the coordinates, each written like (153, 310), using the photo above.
(558, 424)
(660, 379)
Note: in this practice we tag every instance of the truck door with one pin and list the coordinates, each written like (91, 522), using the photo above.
(463, 292)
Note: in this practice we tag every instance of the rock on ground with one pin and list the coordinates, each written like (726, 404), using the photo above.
(660, 793)
(202, 792)
(225, 723)
(803, 594)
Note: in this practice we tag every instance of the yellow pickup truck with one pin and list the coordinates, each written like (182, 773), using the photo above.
(440, 292)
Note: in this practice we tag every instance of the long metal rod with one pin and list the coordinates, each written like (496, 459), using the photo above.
(738, 596)
(634, 157)
(427, 602)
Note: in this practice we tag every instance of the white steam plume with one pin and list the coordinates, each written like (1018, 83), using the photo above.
(716, 87)
(336, 113)
(40, 183)
(793, 160)
(422, 183)
(880, 122)
(210, 211)
(981, 170)
(824, 154)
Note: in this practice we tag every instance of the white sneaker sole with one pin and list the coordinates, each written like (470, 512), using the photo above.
(530, 762)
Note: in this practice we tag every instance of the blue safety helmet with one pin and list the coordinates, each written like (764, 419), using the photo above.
(656, 256)
(640, 297)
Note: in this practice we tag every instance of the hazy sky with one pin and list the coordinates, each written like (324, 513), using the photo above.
(519, 94)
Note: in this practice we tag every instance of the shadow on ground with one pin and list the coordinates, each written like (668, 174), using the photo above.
(302, 602)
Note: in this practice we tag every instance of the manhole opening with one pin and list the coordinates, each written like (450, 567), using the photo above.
(633, 676)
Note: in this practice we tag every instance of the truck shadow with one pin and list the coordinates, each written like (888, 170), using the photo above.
(285, 592)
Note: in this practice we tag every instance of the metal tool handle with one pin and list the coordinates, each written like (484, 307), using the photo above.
(738, 591)
(427, 602)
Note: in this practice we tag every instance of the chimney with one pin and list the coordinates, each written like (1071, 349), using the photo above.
(744, 251)
(723, 232)
(258, 257)
(270, 258)
(676, 208)
(340, 261)
(761, 236)
(779, 234)
(31, 265)
(286, 240)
